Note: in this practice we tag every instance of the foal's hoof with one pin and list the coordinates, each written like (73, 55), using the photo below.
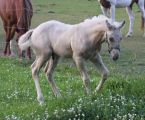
(98, 89)
(40, 100)
(58, 95)
(88, 91)
(41, 103)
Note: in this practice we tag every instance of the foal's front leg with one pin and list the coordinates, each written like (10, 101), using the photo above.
(97, 60)
(80, 65)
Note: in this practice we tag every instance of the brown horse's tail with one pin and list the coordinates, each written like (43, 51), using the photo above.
(25, 40)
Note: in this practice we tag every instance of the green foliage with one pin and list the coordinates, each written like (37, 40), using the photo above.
(122, 97)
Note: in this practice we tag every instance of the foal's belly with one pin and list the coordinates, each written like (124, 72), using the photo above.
(121, 3)
(63, 53)
(62, 50)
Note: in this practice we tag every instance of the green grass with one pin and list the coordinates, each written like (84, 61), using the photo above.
(122, 97)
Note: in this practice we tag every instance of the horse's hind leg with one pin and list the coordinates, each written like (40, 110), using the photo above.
(112, 10)
(29, 53)
(97, 60)
(38, 63)
(7, 30)
(141, 5)
(80, 65)
(105, 11)
(10, 31)
(11, 48)
(49, 69)
(131, 19)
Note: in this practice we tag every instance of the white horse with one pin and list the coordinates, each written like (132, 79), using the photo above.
(108, 6)
(53, 39)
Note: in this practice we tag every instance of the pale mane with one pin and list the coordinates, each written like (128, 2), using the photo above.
(101, 18)
(97, 18)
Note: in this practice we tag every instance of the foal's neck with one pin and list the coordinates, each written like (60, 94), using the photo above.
(96, 32)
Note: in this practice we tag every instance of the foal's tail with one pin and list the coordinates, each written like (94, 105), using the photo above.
(25, 40)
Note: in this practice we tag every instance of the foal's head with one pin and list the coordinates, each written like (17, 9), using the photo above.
(113, 38)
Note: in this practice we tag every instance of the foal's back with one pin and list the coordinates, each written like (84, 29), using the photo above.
(53, 36)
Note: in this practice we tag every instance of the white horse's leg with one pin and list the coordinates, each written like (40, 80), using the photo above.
(131, 18)
(97, 60)
(112, 12)
(105, 11)
(49, 69)
(36, 66)
(80, 65)
(142, 9)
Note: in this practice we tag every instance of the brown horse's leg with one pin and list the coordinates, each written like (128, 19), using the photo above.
(9, 35)
(29, 53)
(5, 50)
(7, 30)
(12, 33)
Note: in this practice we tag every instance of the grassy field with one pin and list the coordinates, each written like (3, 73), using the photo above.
(123, 95)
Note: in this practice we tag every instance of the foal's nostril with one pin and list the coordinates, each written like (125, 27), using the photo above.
(115, 57)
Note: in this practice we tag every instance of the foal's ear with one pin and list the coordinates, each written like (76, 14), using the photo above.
(109, 25)
(121, 24)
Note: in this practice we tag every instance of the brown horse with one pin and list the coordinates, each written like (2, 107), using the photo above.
(16, 17)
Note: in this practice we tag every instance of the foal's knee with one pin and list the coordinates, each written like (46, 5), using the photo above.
(105, 74)
(48, 75)
(46, 67)
(34, 72)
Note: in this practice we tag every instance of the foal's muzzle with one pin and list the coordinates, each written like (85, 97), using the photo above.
(114, 53)
(116, 48)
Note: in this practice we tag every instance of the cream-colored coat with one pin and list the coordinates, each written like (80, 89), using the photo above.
(53, 39)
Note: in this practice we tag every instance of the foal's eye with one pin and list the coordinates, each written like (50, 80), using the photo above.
(111, 39)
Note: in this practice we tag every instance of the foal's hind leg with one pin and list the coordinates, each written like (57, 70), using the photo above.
(38, 63)
(97, 60)
(80, 65)
(49, 69)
